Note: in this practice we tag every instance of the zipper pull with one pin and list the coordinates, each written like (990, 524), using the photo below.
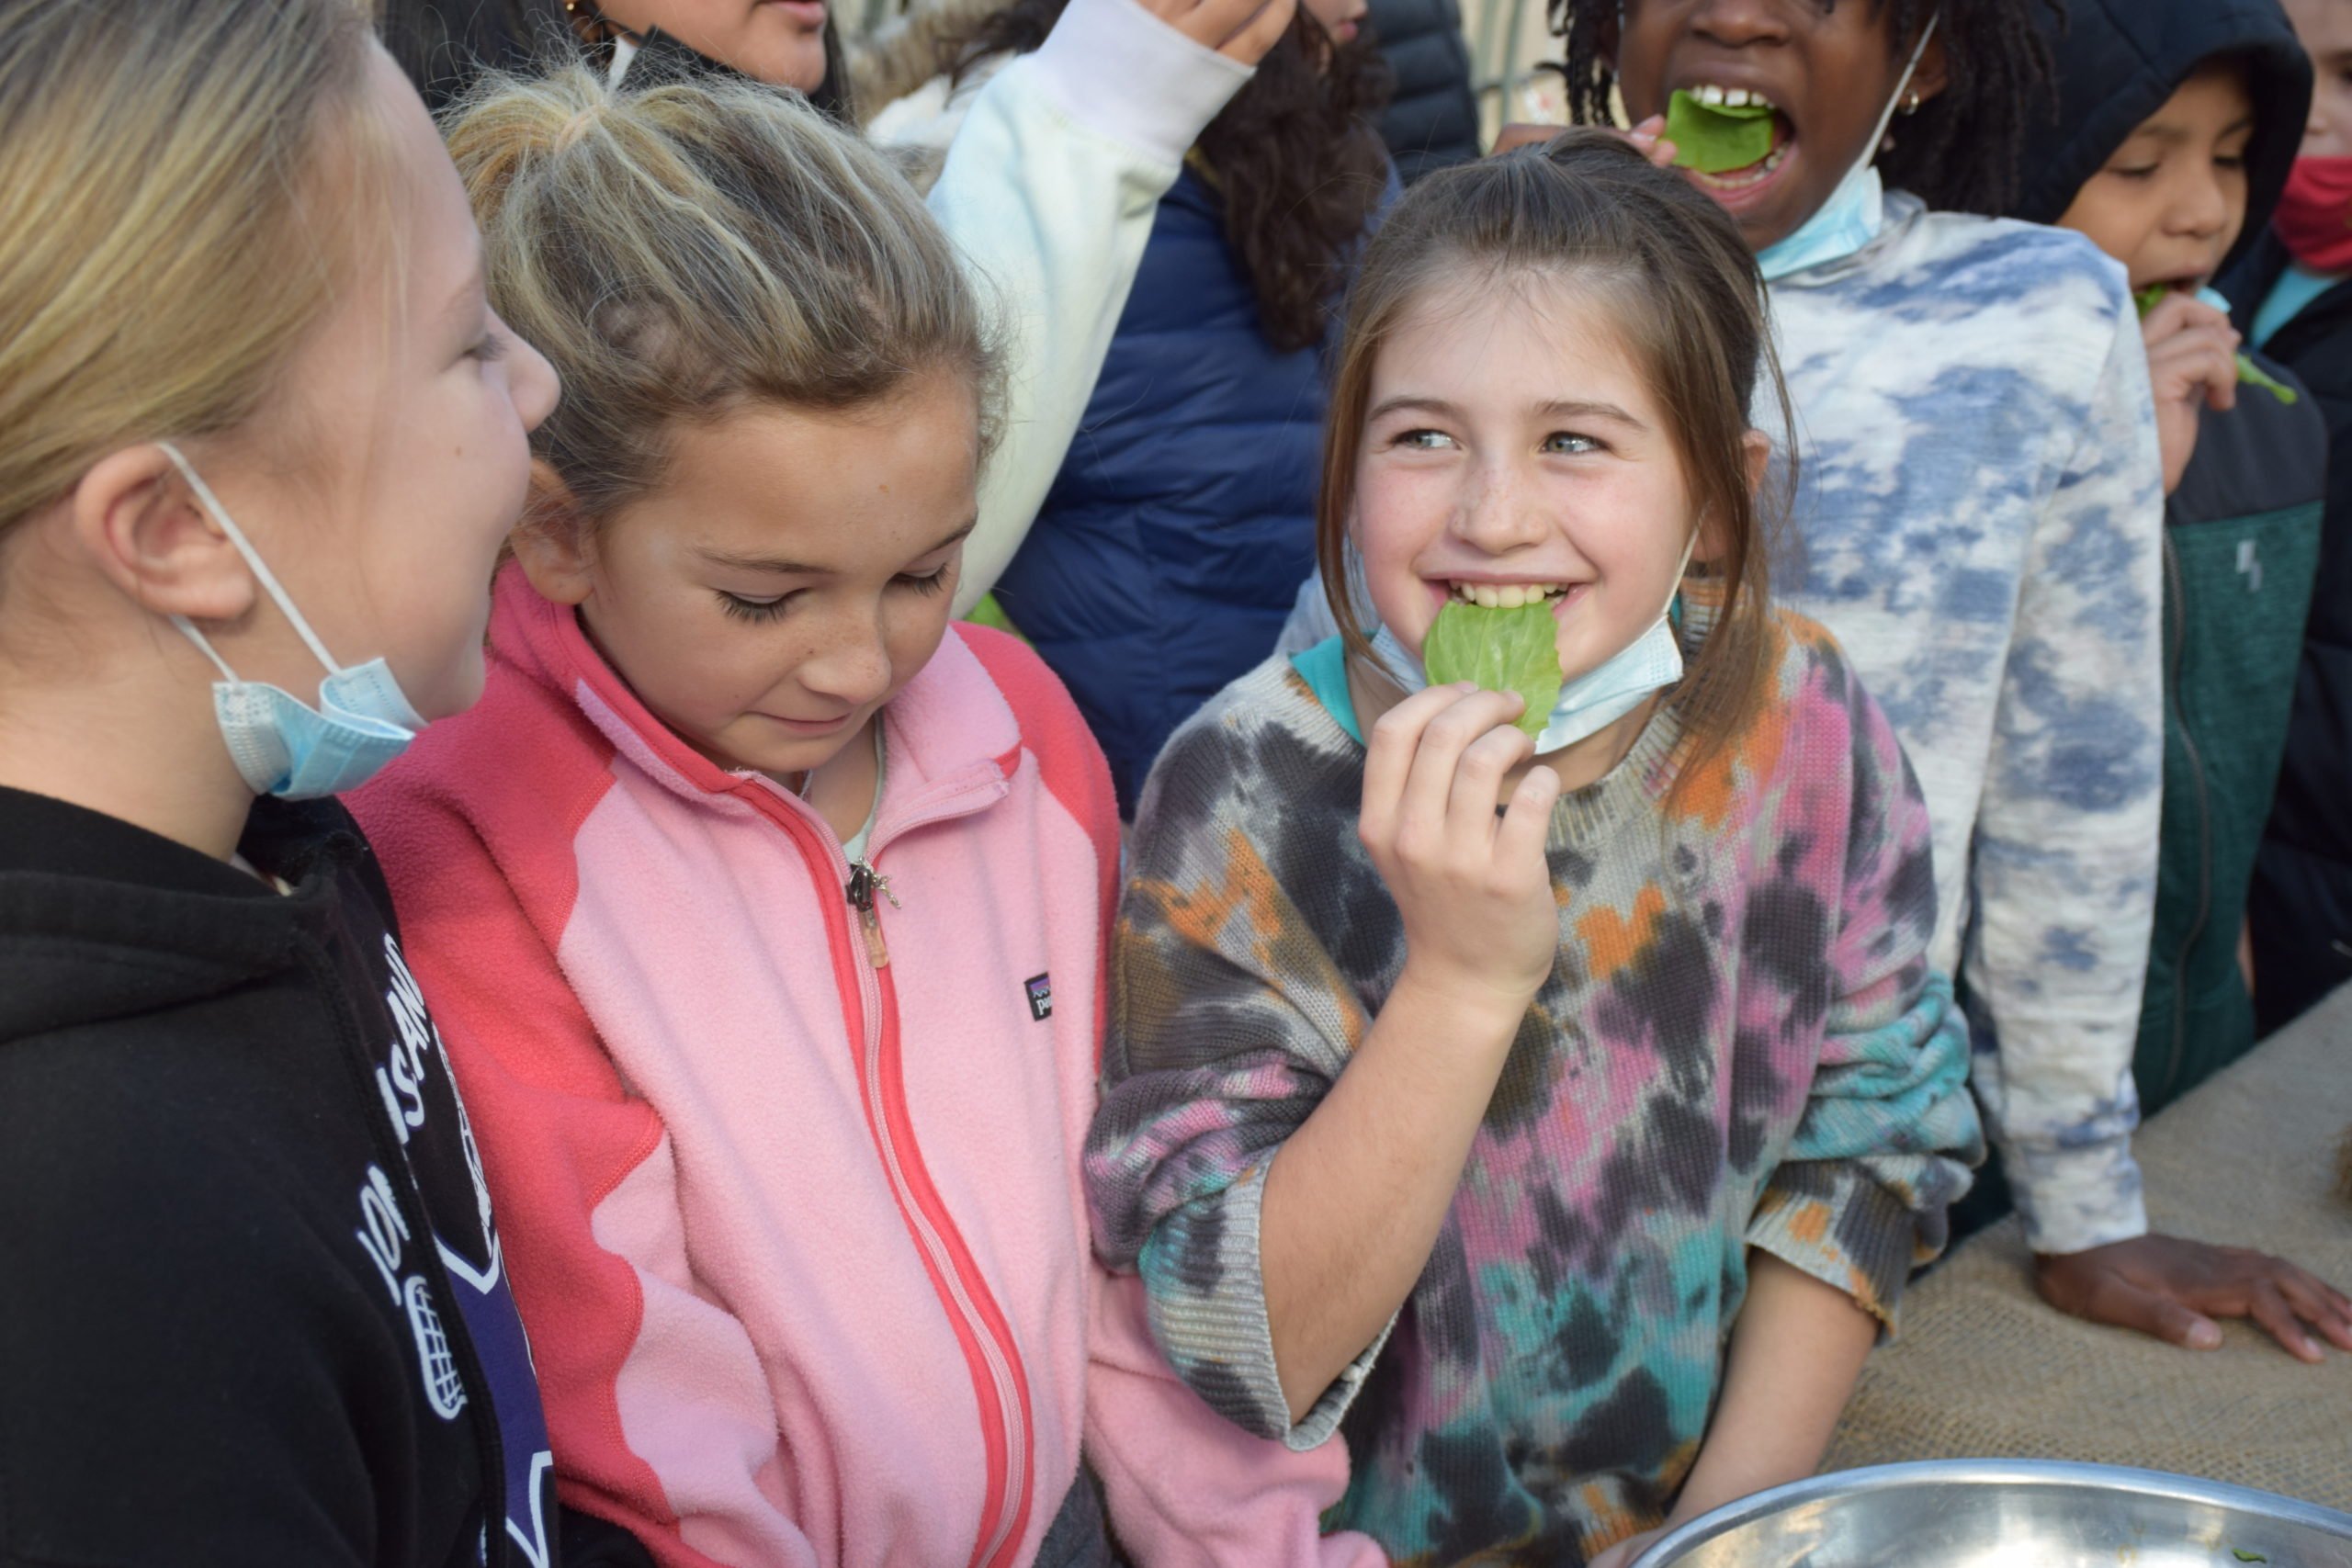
(864, 883)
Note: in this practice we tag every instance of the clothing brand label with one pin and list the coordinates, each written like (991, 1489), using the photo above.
(1040, 988)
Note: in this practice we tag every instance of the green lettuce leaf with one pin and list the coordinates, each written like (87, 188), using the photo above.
(1502, 650)
(1711, 138)
(2253, 375)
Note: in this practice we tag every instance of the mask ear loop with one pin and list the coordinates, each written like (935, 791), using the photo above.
(1872, 148)
(277, 595)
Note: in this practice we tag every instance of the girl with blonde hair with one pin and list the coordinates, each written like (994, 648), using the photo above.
(258, 423)
(1048, 192)
(767, 910)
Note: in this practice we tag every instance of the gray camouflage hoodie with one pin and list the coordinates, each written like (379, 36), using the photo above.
(1979, 522)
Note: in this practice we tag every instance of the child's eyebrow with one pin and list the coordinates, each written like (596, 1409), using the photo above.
(741, 563)
(1438, 406)
(1558, 408)
(2164, 132)
(1581, 409)
(954, 537)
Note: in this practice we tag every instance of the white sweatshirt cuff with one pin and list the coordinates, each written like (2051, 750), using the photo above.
(2076, 1199)
(1091, 64)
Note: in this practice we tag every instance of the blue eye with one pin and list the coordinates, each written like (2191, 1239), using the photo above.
(1424, 440)
(1567, 444)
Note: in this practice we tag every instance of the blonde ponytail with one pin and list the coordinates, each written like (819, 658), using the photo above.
(682, 249)
(159, 258)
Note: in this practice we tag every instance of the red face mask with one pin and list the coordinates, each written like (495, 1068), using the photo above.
(2314, 216)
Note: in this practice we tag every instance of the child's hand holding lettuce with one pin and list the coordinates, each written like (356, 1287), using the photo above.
(2249, 373)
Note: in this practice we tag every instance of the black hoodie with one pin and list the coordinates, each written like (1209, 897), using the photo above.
(2119, 59)
(252, 1309)
(2301, 907)
(2241, 532)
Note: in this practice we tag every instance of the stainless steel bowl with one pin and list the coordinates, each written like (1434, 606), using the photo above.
(2009, 1514)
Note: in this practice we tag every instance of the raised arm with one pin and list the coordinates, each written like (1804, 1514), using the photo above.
(1049, 189)
(1274, 1264)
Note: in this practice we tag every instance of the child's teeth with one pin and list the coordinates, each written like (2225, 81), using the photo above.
(1508, 595)
(1707, 95)
(1735, 98)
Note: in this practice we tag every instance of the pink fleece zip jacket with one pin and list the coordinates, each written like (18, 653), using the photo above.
(792, 1208)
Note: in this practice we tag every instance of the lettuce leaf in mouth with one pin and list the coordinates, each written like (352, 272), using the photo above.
(2249, 373)
(1713, 137)
(1501, 650)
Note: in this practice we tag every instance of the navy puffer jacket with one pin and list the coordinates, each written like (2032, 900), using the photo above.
(1167, 555)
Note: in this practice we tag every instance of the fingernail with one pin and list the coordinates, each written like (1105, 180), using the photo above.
(2204, 1336)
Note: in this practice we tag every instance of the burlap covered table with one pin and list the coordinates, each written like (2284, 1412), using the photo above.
(1983, 1369)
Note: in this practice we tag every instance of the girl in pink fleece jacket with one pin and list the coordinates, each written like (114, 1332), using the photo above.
(765, 914)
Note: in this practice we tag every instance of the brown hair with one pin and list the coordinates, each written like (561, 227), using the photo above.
(163, 170)
(1294, 159)
(1688, 301)
(683, 249)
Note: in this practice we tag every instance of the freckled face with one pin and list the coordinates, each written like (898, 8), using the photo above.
(792, 575)
(1513, 452)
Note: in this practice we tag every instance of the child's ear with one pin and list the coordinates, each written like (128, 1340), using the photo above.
(1933, 74)
(551, 542)
(1757, 451)
(1714, 544)
(148, 533)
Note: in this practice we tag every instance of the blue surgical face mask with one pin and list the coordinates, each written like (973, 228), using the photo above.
(1851, 218)
(1594, 700)
(281, 745)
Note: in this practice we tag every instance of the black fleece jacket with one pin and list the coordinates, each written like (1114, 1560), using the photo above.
(2302, 909)
(252, 1309)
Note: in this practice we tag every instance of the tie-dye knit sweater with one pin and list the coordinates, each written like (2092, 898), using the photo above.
(1741, 1044)
(1982, 521)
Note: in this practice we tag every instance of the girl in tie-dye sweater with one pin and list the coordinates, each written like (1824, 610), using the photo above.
(1565, 1158)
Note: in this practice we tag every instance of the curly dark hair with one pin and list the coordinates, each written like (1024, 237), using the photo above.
(1294, 156)
(1961, 152)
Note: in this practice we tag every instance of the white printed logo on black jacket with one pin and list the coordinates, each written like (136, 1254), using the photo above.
(420, 1102)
